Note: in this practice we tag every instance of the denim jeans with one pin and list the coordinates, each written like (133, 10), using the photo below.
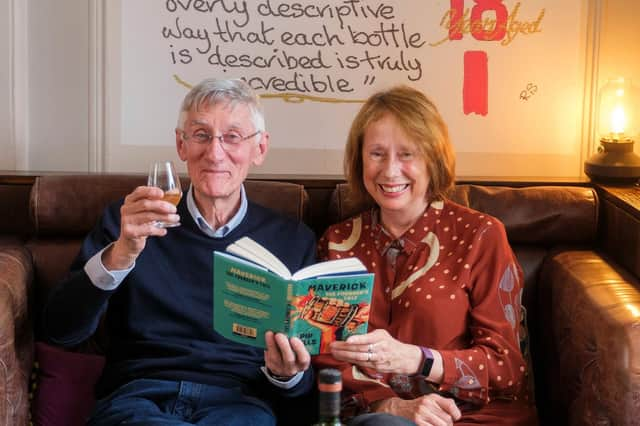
(162, 402)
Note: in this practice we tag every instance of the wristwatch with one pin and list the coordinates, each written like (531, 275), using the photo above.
(427, 362)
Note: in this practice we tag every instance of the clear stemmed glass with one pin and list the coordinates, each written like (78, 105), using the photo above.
(163, 175)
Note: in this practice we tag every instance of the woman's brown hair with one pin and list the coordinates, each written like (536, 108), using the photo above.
(421, 121)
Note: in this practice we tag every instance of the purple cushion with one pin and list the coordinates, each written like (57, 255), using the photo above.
(64, 391)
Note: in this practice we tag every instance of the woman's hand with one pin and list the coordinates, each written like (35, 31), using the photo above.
(285, 357)
(428, 410)
(380, 351)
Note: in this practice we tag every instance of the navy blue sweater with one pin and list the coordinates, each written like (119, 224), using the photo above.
(160, 319)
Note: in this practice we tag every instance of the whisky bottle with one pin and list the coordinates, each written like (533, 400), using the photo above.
(329, 390)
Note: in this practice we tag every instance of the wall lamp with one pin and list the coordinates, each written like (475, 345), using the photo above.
(617, 126)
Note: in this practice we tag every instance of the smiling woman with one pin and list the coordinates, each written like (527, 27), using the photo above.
(445, 311)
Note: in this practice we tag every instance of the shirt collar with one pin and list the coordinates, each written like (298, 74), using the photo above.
(224, 230)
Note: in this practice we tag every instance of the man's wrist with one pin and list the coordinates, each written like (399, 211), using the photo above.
(278, 377)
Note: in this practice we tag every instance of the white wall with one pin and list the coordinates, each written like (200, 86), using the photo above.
(54, 115)
(7, 148)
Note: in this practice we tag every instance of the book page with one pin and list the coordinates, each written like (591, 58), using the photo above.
(330, 267)
(249, 249)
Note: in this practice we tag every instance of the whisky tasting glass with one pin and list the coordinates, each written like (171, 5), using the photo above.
(162, 174)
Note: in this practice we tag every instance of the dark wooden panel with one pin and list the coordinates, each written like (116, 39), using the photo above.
(14, 210)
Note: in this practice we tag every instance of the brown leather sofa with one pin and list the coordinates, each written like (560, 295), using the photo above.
(583, 309)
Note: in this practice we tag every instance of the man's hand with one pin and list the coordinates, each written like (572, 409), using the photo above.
(428, 410)
(140, 210)
(285, 357)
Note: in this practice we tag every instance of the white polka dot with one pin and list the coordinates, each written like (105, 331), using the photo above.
(466, 226)
(450, 253)
(418, 290)
(470, 358)
(441, 286)
(481, 367)
(489, 222)
(428, 296)
(455, 278)
(481, 216)
(373, 264)
(437, 264)
(510, 383)
(446, 229)
(451, 213)
(459, 260)
(459, 219)
(506, 351)
(412, 231)
(438, 221)
(406, 305)
(368, 252)
(350, 253)
(470, 246)
(499, 378)
(426, 228)
(337, 231)
(454, 238)
(432, 279)
(466, 266)
(500, 363)
(522, 368)
(338, 256)
(453, 296)
(410, 267)
(446, 271)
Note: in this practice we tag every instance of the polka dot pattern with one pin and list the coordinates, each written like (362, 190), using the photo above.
(438, 261)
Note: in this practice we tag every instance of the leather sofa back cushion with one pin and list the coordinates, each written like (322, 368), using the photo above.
(532, 215)
(68, 206)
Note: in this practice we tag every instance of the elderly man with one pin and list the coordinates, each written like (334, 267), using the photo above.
(165, 364)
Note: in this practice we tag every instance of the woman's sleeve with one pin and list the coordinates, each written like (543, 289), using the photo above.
(494, 360)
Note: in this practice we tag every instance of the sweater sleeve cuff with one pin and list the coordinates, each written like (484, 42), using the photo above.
(100, 276)
(293, 381)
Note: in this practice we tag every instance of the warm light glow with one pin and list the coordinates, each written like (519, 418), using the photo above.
(634, 310)
(619, 111)
(618, 121)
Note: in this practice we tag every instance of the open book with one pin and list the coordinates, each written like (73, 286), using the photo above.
(255, 292)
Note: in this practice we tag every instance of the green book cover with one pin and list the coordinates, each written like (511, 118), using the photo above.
(250, 300)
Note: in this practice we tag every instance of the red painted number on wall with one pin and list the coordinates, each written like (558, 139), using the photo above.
(475, 89)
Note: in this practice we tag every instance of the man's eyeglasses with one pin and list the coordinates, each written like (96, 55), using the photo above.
(230, 141)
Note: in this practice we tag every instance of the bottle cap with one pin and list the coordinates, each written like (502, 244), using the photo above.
(330, 380)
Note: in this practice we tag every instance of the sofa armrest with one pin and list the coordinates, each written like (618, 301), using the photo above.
(16, 335)
(593, 360)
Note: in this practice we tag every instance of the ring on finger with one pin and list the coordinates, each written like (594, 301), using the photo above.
(369, 354)
(370, 348)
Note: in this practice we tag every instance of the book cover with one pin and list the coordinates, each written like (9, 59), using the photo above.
(250, 300)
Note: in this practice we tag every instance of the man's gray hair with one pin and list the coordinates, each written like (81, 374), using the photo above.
(212, 91)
